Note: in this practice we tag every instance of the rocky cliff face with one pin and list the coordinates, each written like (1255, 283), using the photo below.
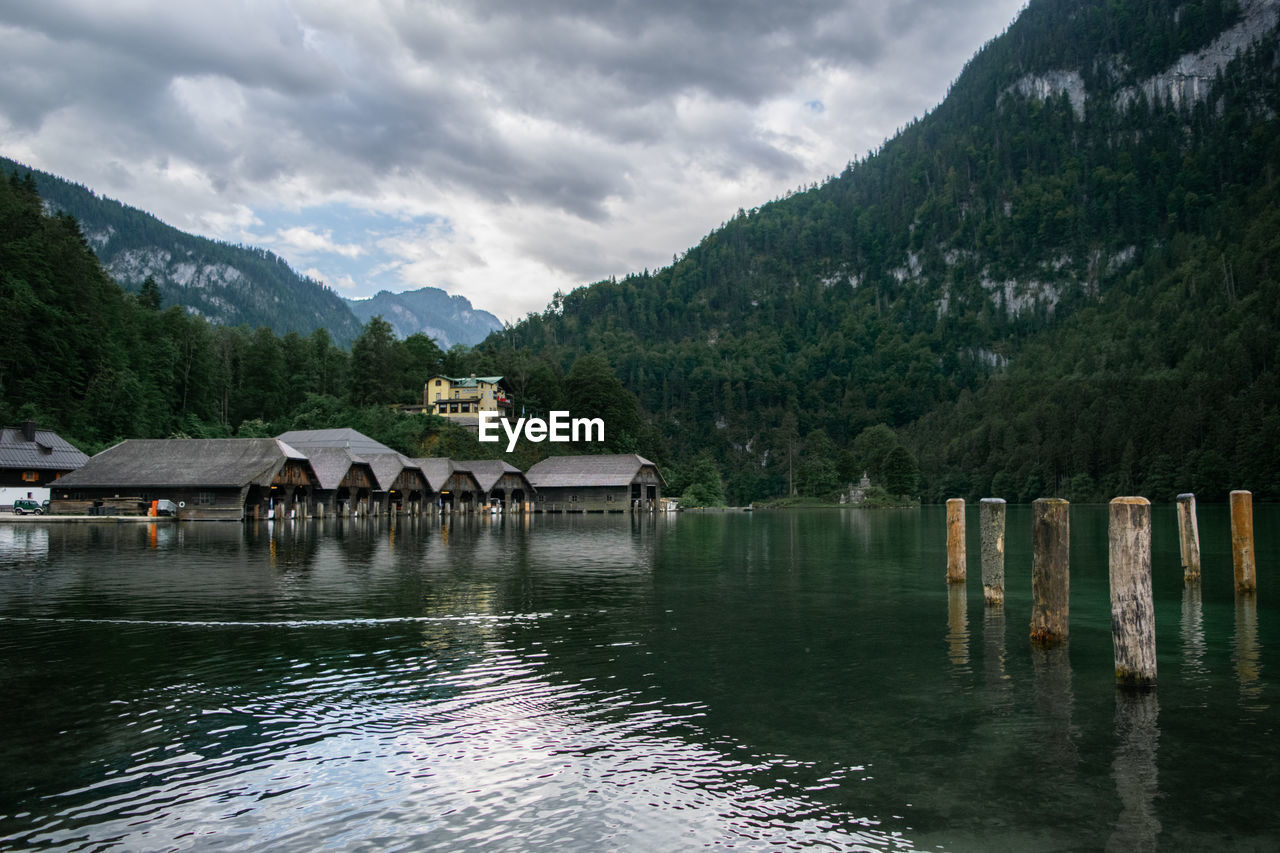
(1184, 83)
(1188, 80)
(446, 319)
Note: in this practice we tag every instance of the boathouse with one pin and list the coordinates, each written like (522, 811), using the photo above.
(399, 484)
(454, 490)
(402, 485)
(31, 460)
(208, 478)
(344, 483)
(501, 483)
(606, 483)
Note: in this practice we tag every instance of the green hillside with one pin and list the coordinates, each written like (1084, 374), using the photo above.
(226, 284)
(1062, 280)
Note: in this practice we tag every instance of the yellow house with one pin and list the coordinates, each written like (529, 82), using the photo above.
(463, 399)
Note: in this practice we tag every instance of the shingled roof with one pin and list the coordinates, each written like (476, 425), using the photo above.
(349, 439)
(488, 471)
(436, 470)
(43, 450)
(607, 470)
(387, 466)
(331, 464)
(193, 462)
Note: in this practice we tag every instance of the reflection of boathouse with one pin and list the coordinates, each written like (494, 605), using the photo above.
(215, 478)
(609, 483)
(501, 483)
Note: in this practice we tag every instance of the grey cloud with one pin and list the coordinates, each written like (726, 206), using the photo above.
(256, 44)
(359, 100)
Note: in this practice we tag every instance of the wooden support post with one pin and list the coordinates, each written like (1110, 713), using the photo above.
(1242, 555)
(991, 525)
(1133, 615)
(1189, 538)
(1050, 570)
(955, 541)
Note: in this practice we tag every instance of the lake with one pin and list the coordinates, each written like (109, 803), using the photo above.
(757, 681)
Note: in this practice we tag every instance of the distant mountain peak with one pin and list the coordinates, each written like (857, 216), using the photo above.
(447, 318)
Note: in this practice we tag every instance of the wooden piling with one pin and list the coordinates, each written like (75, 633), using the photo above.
(1133, 621)
(1050, 570)
(955, 541)
(991, 525)
(1189, 538)
(1242, 555)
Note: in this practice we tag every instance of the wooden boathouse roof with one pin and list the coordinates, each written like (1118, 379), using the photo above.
(332, 464)
(388, 466)
(348, 439)
(193, 462)
(489, 471)
(439, 470)
(618, 469)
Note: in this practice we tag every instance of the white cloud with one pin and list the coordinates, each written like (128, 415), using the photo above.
(503, 150)
(306, 241)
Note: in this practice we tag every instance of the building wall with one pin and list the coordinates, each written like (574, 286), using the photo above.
(216, 504)
(583, 499)
(442, 395)
(8, 494)
(27, 478)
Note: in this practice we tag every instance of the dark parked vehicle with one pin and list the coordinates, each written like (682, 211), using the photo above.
(22, 506)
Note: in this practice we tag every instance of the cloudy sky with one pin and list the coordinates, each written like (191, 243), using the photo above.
(500, 150)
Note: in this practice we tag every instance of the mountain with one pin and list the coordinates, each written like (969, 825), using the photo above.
(226, 284)
(448, 319)
(1062, 280)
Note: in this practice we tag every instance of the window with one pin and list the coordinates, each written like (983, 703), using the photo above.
(439, 383)
(609, 497)
(205, 498)
(573, 498)
(30, 476)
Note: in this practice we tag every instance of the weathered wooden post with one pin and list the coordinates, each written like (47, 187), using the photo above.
(1133, 615)
(1189, 538)
(955, 541)
(1050, 570)
(1242, 542)
(991, 525)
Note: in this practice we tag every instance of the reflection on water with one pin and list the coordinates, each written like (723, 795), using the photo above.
(1055, 701)
(958, 625)
(1247, 654)
(1135, 771)
(761, 681)
(993, 648)
(20, 543)
(1193, 644)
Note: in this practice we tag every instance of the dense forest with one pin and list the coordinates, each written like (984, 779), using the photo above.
(1070, 294)
(227, 284)
(1062, 281)
(99, 364)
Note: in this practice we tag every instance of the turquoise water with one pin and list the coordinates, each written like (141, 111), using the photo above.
(749, 681)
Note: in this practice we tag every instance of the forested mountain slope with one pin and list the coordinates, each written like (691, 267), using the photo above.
(228, 285)
(1062, 280)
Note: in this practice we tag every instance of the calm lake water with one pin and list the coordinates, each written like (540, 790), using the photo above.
(750, 681)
